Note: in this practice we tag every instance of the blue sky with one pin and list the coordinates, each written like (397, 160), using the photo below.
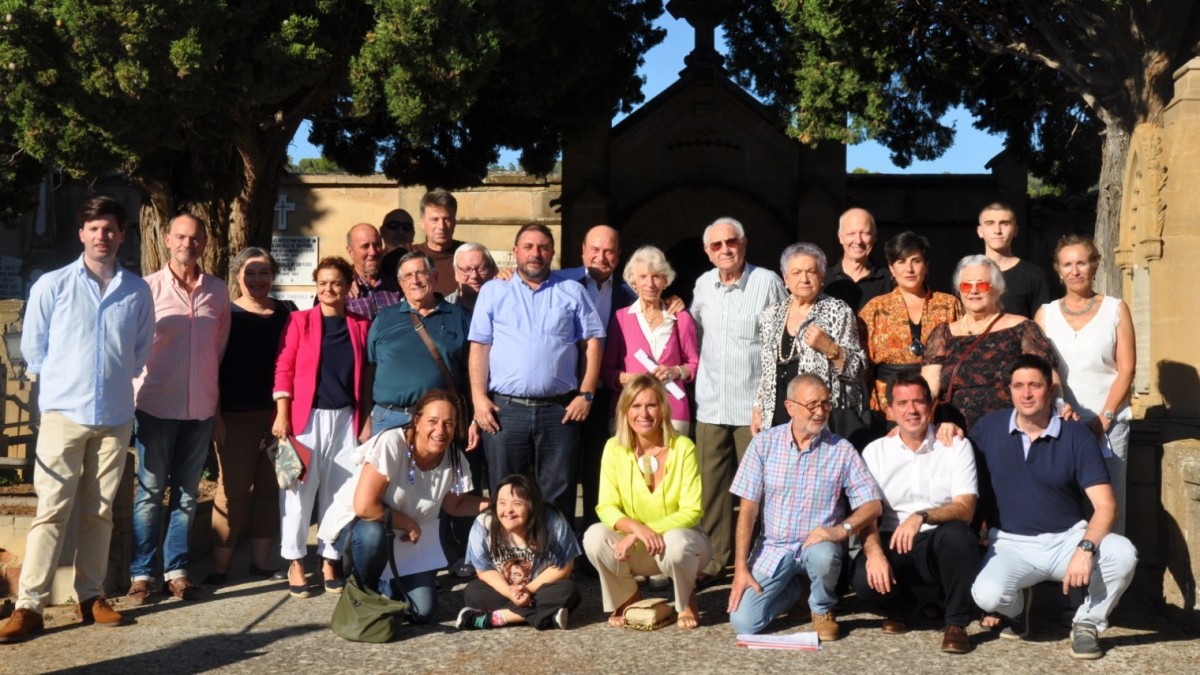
(971, 151)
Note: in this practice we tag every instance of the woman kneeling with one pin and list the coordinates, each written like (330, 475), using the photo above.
(649, 505)
(523, 551)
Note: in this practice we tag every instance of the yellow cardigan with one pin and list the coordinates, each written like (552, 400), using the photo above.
(623, 492)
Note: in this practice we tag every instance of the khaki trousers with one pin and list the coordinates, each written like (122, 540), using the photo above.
(246, 490)
(687, 551)
(76, 465)
(719, 450)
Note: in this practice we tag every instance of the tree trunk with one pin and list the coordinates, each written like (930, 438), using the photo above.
(1108, 206)
(153, 220)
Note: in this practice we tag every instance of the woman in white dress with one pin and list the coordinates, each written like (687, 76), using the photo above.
(1094, 338)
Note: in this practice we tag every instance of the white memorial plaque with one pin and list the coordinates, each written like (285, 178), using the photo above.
(12, 286)
(297, 258)
(303, 299)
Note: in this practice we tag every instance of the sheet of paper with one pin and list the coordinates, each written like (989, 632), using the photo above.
(650, 366)
(804, 641)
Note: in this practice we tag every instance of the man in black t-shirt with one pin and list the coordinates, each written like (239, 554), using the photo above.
(1025, 283)
(855, 279)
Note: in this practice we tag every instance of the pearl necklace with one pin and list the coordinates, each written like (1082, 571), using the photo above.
(1062, 304)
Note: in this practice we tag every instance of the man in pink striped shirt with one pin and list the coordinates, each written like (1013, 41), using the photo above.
(176, 400)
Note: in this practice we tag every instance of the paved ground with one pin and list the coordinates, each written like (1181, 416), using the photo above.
(254, 627)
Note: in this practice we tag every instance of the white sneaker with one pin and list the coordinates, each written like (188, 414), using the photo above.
(561, 617)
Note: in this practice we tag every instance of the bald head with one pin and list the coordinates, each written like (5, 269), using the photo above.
(601, 250)
(856, 234)
(365, 247)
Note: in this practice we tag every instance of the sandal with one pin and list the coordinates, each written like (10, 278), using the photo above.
(183, 589)
(138, 593)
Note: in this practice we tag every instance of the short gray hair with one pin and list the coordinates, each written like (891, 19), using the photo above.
(803, 248)
(416, 255)
(803, 379)
(476, 246)
(653, 259)
(980, 260)
(724, 220)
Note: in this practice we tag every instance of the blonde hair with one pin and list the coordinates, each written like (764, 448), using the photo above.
(634, 388)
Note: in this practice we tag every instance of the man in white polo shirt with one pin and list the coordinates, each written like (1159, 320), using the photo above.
(923, 538)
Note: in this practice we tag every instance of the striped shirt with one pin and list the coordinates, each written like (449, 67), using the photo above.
(798, 490)
(190, 333)
(727, 324)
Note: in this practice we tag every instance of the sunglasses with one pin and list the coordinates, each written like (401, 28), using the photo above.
(981, 286)
(732, 242)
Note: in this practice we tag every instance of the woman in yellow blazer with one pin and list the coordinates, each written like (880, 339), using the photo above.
(649, 505)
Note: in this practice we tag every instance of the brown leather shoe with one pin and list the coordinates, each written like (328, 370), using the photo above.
(139, 592)
(894, 627)
(954, 640)
(826, 627)
(183, 589)
(97, 610)
(22, 625)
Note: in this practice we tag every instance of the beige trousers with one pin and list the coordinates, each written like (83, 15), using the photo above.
(76, 464)
(687, 551)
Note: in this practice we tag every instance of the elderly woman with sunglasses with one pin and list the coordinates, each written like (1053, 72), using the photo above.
(810, 332)
(966, 362)
(899, 323)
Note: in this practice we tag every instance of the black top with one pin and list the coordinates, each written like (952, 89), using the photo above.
(857, 293)
(247, 374)
(785, 373)
(335, 378)
(1025, 289)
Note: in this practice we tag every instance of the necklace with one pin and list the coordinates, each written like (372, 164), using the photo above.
(1062, 304)
(972, 331)
(648, 464)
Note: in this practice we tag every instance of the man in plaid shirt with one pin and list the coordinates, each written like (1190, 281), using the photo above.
(796, 475)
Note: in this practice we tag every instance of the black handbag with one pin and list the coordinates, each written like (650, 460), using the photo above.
(361, 613)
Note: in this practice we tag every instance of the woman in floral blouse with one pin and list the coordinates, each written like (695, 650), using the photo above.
(899, 323)
(808, 333)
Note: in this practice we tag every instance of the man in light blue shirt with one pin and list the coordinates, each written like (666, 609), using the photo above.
(526, 337)
(87, 333)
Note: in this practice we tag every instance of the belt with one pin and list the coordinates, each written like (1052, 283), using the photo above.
(397, 408)
(538, 402)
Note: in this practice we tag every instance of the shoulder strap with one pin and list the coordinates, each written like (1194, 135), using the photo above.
(963, 358)
(419, 326)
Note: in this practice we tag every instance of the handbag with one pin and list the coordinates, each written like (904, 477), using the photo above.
(649, 614)
(460, 403)
(284, 457)
(361, 613)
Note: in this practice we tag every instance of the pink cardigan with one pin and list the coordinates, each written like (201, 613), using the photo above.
(299, 361)
(625, 338)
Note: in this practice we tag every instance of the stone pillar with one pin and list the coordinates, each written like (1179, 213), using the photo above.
(1181, 506)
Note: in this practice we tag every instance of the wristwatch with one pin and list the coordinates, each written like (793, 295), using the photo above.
(1087, 546)
(924, 517)
(835, 352)
(587, 396)
(848, 528)
(1108, 415)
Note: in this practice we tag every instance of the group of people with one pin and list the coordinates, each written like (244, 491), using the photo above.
(835, 403)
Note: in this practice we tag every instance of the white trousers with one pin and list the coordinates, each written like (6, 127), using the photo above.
(330, 436)
(1014, 562)
(76, 464)
(687, 552)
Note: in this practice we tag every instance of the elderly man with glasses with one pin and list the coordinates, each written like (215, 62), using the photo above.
(798, 476)
(473, 267)
(726, 305)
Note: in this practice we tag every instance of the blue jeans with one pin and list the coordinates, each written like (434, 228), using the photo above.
(368, 560)
(822, 563)
(383, 419)
(533, 440)
(171, 453)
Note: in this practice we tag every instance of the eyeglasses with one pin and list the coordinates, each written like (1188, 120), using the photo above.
(397, 225)
(732, 242)
(981, 286)
(475, 271)
(814, 406)
(424, 274)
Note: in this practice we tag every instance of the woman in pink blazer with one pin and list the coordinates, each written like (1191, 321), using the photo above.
(319, 398)
(667, 340)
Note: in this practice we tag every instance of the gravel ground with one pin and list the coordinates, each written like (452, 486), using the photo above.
(254, 627)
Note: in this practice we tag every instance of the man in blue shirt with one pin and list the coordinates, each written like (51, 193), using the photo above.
(94, 321)
(526, 337)
(799, 476)
(1037, 464)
